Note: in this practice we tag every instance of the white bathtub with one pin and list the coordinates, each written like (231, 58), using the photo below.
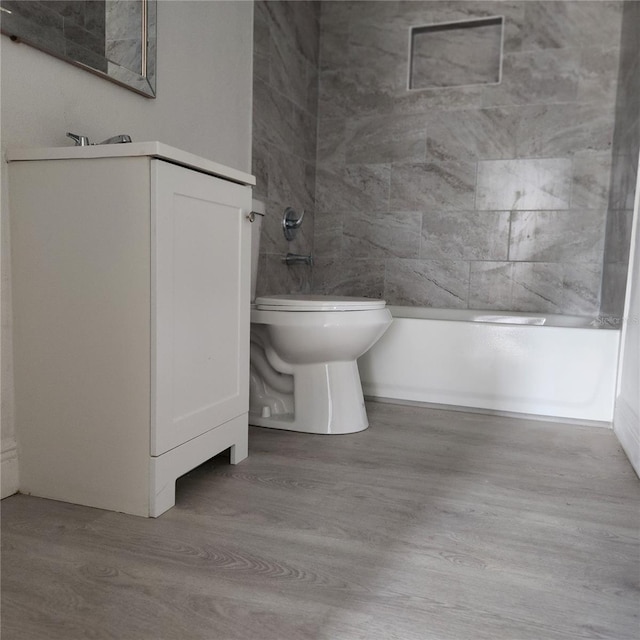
(541, 365)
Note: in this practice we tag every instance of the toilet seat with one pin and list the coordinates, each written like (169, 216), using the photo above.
(295, 302)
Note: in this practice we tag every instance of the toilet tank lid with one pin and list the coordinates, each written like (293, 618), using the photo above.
(295, 302)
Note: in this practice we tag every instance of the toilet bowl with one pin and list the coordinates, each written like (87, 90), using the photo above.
(304, 374)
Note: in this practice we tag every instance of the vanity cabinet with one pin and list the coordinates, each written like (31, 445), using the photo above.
(130, 284)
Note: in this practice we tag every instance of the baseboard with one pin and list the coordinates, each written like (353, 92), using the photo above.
(493, 412)
(626, 426)
(8, 467)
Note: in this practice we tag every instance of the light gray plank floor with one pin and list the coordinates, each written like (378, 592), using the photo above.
(429, 525)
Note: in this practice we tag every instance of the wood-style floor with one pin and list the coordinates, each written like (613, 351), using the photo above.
(429, 525)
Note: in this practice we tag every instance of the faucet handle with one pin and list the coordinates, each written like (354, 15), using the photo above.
(291, 222)
(81, 141)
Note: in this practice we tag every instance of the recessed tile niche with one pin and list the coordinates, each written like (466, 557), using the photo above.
(455, 54)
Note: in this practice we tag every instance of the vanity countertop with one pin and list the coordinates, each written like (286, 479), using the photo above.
(131, 149)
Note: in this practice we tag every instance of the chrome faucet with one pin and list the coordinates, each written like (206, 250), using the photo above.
(83, 141)
(120, 139)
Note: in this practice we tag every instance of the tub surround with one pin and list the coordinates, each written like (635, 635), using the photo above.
(423, 164)
(285, 102)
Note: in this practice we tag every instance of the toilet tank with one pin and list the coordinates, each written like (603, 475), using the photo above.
(257, 206)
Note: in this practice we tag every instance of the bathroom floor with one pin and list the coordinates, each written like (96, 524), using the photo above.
(429, 525)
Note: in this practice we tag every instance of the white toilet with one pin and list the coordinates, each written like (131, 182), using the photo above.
(304, 375)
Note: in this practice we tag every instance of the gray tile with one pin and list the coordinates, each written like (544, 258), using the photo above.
(443, 186)
(304, 139)
(328, 235)
(288, 71)
(272, 116)
(571, 23)
(428, 283)
(334, 43)
(465, 235)
(591, 174)
(288, 180)
(261, 67)
(308, 196)
(354, 188)
(331, 143)
(523, 184)
(628, 81)
(313, 80)
(618, 236)
(624, 171)
(386, 139)
(614, 285)
(564, 129)
(537, 287)
(382, 235)
(261, 34)
(378, 55)
(349, 277)
(281, 278)
(472, 134)
(341, 95)
(557, 236)
(427, 100)
(581, 283)
(295, 23)
(598, 73)
(534, 77)
(335, 18)
(332, 94)
(490, 285)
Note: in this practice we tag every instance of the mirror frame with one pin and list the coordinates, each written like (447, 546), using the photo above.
(45, 38)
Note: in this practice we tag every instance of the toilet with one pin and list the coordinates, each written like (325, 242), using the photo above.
(303, 374)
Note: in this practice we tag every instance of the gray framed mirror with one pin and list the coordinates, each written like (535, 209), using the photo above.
(115, 39)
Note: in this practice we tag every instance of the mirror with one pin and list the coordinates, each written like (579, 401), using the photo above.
(115, 39)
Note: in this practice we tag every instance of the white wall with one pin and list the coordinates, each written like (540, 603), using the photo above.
(203, 105)
(626, 420)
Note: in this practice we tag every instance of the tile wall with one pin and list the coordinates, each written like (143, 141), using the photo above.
(486, 196)
(285, 98)
(626, 145)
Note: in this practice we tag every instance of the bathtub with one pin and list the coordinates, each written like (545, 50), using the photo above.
(559, 367)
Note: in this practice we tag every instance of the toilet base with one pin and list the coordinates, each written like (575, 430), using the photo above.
(327, 399)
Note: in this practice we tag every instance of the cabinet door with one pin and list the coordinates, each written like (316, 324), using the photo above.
(200, 303)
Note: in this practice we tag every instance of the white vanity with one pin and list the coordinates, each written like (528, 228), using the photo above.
(131, 275)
